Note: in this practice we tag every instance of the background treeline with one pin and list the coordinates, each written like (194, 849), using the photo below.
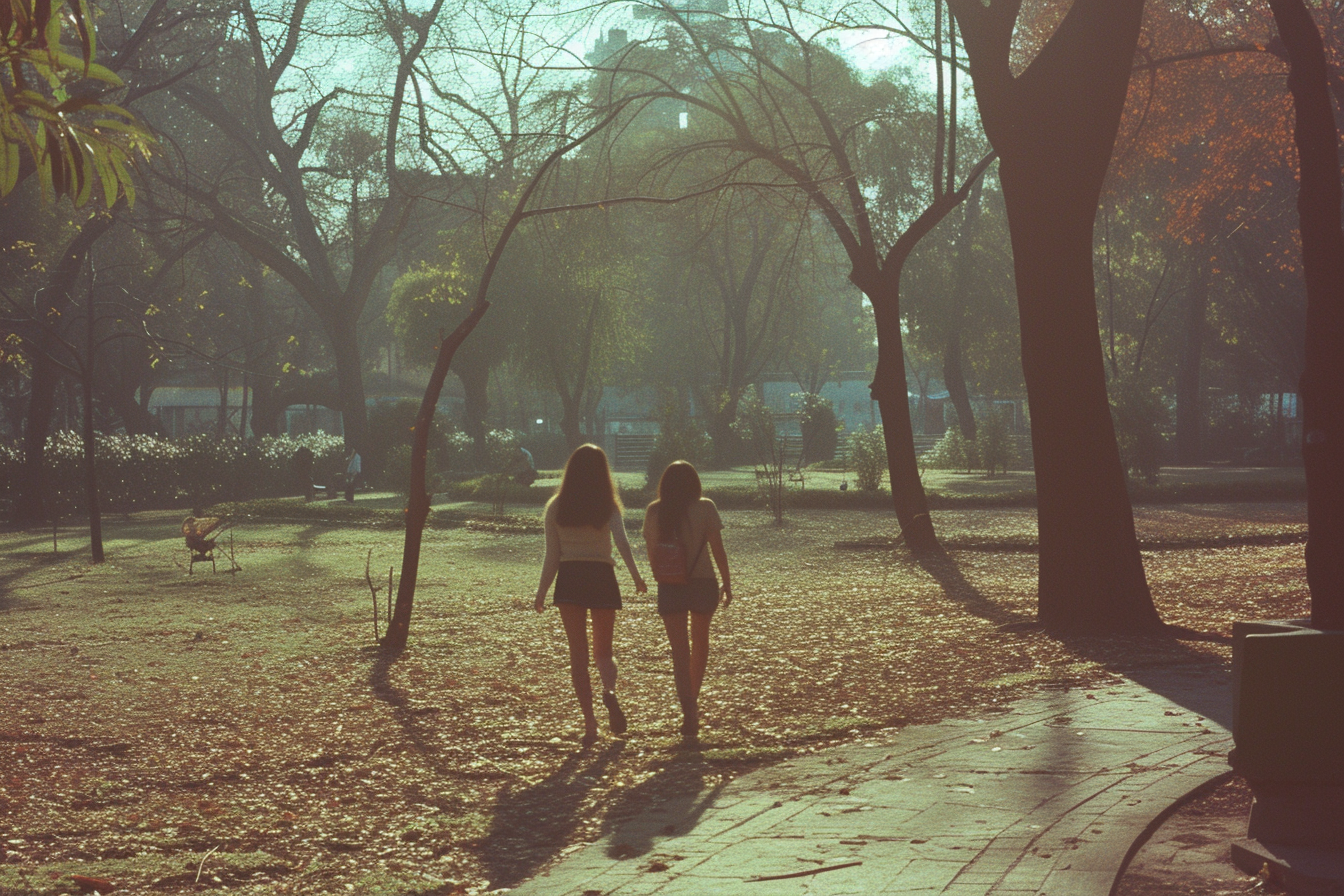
(319, 185)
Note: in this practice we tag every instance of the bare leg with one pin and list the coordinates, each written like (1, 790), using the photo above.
(677, 639)
(575, 618)
(699, 649)
(604, 621)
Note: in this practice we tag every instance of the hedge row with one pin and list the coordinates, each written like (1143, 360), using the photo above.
(148, 471)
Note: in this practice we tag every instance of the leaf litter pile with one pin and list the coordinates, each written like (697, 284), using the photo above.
(166, 733)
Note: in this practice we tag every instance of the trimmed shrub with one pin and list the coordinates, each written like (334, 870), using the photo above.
(868, 456)
(992, 450)
(679, 438)
(392, 425)
(1237, 428)
(821, 428)
(996, 447)
(953, 452)
(457, 452)
(397, 471)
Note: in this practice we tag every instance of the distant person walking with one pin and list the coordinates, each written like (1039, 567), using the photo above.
(682, 530)
(354, 468)
(582, 520)
(524, 468)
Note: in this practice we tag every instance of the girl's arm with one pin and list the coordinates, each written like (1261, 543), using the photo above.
(551, 565)
(623, 546)
(715, 539)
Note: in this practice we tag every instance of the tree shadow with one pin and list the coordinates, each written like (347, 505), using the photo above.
(530, 824)
(1188, 678)
(1185, 676)
(943, 569)
(415, 721)
(16, 593)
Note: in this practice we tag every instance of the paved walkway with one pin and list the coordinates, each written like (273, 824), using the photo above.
(1046, 798)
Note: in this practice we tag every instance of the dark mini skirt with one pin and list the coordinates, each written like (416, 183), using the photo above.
(698, 595)
(588, 583)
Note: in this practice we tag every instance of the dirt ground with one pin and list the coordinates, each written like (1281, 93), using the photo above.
(172, 733)
(1191, 854)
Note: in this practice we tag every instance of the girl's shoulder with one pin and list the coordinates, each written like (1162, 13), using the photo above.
(708, 513)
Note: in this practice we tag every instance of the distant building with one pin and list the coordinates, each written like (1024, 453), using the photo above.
(194, 410)
(849, 396)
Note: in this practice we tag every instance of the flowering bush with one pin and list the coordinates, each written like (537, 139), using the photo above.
(149, 471)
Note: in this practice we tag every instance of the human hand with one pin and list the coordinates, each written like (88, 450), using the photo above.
(540, 604)
(727, 591)
(640, 586)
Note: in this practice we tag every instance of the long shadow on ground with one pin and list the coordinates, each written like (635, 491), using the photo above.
(531, 822)
(1171, 677)
(943, 569)
(668, 803)
(534, 822)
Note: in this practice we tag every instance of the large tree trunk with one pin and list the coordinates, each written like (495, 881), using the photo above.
(721, 434)
(890, 390)
(1322, 384)
(1189, 391)
(475, 380)
(268, 406)
(955, 380)
(134, 415)
(571, 421)
(31, 505)
(1091, 575)
(1054, 126)
(350, 383)
(222, 413)
(269, 402)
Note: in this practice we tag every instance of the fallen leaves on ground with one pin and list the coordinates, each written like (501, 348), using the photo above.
(171, 733)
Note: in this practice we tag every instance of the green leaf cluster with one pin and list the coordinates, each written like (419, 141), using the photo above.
(53, 121)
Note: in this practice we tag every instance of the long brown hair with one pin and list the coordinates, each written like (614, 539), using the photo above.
(678, 489)
(587, 495)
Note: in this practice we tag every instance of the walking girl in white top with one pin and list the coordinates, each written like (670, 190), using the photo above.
(582, 520)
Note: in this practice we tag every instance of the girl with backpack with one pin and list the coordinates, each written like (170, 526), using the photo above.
(682, 531)
(582, 521)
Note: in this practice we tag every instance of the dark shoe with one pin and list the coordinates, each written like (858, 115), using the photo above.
(614, 713)
(690, 731)
(589, 738)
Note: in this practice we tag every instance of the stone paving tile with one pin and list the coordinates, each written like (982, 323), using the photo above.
(938, 809)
